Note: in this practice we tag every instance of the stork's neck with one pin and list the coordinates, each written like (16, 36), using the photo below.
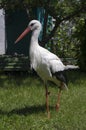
(34, 37)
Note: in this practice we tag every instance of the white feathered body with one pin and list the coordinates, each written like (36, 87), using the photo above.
(44, 62)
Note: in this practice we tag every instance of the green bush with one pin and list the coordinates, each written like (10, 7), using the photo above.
(80, 34)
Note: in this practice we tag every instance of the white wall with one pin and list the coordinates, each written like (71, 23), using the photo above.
(2, 32)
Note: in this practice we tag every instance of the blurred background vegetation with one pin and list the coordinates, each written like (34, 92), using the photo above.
(66, 37)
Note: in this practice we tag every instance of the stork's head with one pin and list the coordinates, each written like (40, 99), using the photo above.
(32, 26)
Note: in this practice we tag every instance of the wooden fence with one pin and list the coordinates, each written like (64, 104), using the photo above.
(14, 63)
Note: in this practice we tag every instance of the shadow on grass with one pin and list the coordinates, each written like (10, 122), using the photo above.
(27, 110)
(16, 77)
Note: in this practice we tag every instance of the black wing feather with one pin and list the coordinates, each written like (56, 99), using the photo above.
(61, 75)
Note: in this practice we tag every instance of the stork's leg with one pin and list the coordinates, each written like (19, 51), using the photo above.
(58, 101)
(59, 96)
(47, 101)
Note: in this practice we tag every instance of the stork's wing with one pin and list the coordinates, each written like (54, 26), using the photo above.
(52, 61)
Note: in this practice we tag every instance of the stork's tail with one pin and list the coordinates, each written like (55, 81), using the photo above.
(67, 67)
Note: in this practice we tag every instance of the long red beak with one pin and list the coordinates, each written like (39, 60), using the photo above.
(27, 30)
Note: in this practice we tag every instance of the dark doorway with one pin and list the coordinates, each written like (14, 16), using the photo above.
(16, 21)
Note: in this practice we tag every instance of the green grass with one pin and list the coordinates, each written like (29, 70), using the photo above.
(22, 104)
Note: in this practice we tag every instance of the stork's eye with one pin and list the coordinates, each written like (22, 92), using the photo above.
(32, 24)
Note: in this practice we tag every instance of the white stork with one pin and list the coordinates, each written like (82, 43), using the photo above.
(47, 65)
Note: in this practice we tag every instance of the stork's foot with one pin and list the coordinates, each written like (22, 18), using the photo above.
(57, 107)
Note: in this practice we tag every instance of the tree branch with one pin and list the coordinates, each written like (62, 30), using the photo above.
(59, 21)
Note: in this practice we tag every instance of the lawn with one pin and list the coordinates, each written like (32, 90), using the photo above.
(22, 103)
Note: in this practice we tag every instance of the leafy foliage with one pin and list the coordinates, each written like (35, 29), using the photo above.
(80, 34)
(60, 10)
(65, 42)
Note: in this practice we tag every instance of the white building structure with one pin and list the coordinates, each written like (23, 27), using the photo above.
(2, 32)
